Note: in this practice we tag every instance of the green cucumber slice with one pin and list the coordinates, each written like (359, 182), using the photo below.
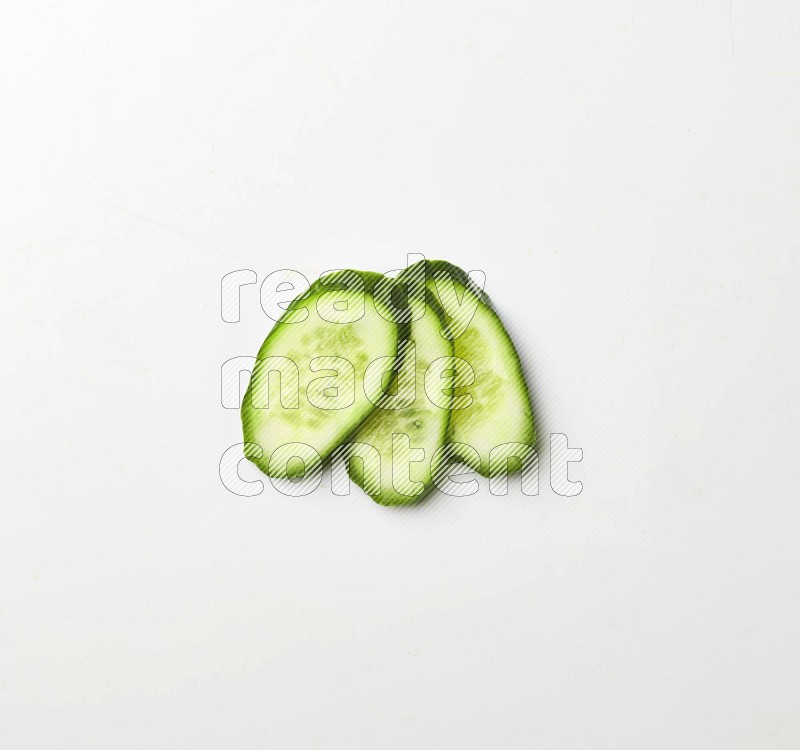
(405, 439)
(499, 414)
(321, 349)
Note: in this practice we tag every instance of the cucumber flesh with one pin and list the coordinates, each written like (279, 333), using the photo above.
(500, 410)
(406, 438)
(292, 428)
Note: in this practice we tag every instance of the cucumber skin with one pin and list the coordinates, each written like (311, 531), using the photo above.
(325, 283)
(460, 276)
(397, 500)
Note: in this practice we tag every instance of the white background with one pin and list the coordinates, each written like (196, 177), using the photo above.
(627, 174)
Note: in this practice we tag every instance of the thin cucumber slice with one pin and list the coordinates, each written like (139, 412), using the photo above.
(499, 416)
(392, 455)
(318, 354)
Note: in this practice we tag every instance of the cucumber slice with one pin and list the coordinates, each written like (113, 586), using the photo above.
(500, 412)
(407, 428)
(318, 353)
